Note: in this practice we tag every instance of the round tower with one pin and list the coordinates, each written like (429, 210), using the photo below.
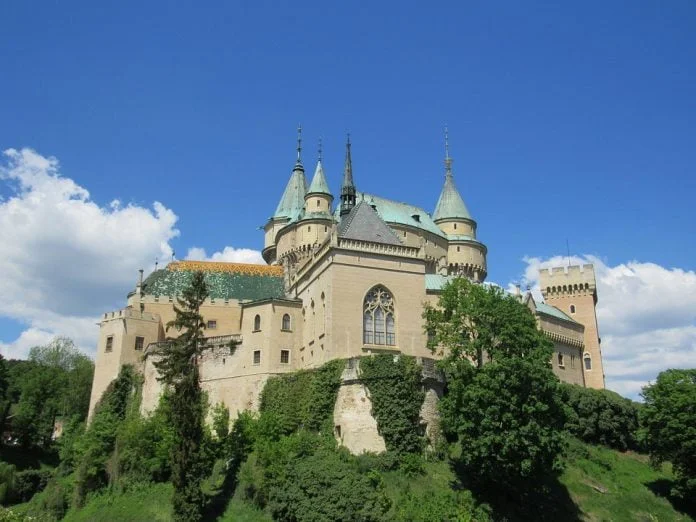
(466, 255)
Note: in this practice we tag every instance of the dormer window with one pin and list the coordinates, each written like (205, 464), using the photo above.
(416, 217)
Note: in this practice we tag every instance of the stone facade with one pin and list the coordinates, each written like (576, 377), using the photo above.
(315, 302)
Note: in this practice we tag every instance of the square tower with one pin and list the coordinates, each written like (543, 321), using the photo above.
(573, 290)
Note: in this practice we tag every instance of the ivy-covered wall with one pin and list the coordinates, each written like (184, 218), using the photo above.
(304, 399)
(397, 394)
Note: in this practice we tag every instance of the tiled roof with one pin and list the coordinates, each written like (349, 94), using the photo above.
(553, 311)
(225, 280)
(363, 224)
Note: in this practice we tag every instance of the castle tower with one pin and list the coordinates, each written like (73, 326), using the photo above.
(465, 254)
(573, 290)
(318, 198)
(289, 207)
(348, 187)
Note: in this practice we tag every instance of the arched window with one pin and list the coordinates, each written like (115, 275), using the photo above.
(572, 309)
(588, 361)
(561, 362)
(378, 317)
(257, 323)
(286, 322)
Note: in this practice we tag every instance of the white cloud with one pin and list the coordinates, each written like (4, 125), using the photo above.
(646, 315)
(228, 254)
(63, 258)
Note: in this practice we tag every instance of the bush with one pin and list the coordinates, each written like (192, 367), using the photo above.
(601, 417)
(669, 426)
(445, 506)
(29, 482)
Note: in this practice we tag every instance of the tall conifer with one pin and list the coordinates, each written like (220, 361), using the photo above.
(178, 370)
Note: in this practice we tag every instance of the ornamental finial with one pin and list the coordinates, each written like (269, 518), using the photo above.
(299, 144)
(320, 150)
(448, 160)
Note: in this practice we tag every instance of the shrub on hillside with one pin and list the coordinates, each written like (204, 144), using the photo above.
(29, 482)
(601, 417)
(668, 422)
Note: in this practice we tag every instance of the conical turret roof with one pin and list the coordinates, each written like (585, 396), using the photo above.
(450, 204)
(319, 184)
(292, 201)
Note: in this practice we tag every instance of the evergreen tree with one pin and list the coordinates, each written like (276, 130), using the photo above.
(178, 370)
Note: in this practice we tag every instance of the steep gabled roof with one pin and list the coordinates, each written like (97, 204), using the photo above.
(363, 224)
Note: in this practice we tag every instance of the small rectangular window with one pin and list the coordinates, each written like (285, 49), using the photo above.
(109, 343)
(212, 324)
(139, 343)
(284, 356)
(257, 356)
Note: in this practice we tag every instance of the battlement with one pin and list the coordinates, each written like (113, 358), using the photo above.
(130, 313)
(568, 280)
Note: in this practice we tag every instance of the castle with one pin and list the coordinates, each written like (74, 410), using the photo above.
(343, 281)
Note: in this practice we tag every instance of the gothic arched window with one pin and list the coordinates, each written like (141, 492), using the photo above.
(286, 322)
(257, 323)
(378, 317)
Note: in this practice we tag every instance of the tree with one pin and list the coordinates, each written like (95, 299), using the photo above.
(601, 417)
(506, 414)
(178, 370)
(668, 421)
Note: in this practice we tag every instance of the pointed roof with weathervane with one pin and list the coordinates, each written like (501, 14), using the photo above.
(450, 204)
(292, 201)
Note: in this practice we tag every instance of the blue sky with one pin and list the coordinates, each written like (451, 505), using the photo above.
(570, 122)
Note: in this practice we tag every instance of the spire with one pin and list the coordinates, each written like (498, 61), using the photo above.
(348, 187)
(450, 204)
(292, 200)
(319, 184)
(299, 145)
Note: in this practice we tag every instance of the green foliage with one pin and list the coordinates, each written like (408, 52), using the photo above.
(29, 482)
(144, 445)
(601, 417)
(483, 323)
(506, 414)
(397, 395)
(55, 382)
(92, 451)
(178, 370)
(327, 486)
(669, 425)
(509, 421)
(303, 399)
(445, 505)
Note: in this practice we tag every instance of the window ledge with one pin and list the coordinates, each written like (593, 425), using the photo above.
(285, 330)
(380, 348)
(255, 331)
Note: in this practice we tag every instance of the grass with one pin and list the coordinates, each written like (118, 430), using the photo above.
(598, 484)
(608, 485)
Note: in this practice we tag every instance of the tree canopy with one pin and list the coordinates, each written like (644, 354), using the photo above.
(668, 421)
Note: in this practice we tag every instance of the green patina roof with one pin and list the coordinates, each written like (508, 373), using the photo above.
(450, 204)
(237, 285)
(292, 201)
(437, 281)
(399, 213)
(319, 184)
(553, 311)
